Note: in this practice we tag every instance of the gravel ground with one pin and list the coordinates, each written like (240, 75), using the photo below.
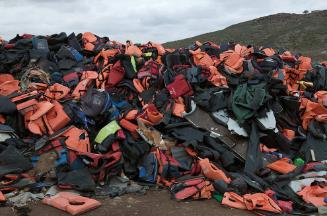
(156, 203)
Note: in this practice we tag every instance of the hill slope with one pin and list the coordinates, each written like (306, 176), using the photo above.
(304, 33)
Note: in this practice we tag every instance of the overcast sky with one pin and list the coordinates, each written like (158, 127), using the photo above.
(138, 20)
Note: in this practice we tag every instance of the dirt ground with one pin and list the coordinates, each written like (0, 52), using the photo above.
(156, 203)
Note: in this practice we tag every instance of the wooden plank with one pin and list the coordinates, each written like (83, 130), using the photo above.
(201, 119)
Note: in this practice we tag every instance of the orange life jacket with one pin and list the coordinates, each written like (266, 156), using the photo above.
(304, 64)
(56, 118)
(243, 51)
(257, 201)
(159, 47)
(128, 126)
(8, 84)
(233, 200)
(314, 195)
(106, 54)
(57, 91)
(287, 56)
(282, 166)
(312, 110)
(321, 96)
(217, 78)
(150, 115)
(269, 51)
(232, 61)
(2, 197)
(82, 86)
(77, 140)
(72, 203)
(89, 40)
(201, 58)
(212, 172)
(179, 107)
(261, 201)
(133, 50)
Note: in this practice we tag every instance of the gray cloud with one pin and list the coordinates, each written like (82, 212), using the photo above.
(140, 20)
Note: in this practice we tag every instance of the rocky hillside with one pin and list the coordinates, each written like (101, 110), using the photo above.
(303, 33)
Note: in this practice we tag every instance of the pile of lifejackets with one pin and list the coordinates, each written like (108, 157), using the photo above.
(106, 108)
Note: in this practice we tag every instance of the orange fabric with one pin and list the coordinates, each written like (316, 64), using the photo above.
(137, 84)
(290, 134)
(102, 78)
(292, 76)
(321, 118)
(37, 126)
(248, 52)
(6, 77)
(2, 197)
(160, 169)
(257, 201)
(232, 61)
(201, 58)
(128, 125)
(133, 50)
(88, 40)
(56, 117)
(89, 75)
(106, 54)
(179, 107)
(82, 86)
(72, 203)
(26, 104)
(24, 96)
(9, 87)
(89, 37)
(35, 116)
(205, 192)
(264, 148)
(41, 109)
(305, 64)
(321, 96)
(131, 115)
(159, 47)
(233, 200)
(216, 78)
(269, 51)
(282, 166)
(243, 51)
(2, 119)
(146, 82)
(288, 57)
(37, 86)
(153, 114)
(239, 48)
(312, 110)
(89, 46)
(57, 91)
(261, 201)
(8, 189)
(314, 195)
(198, 43)
(212, 172)
(75, 142)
